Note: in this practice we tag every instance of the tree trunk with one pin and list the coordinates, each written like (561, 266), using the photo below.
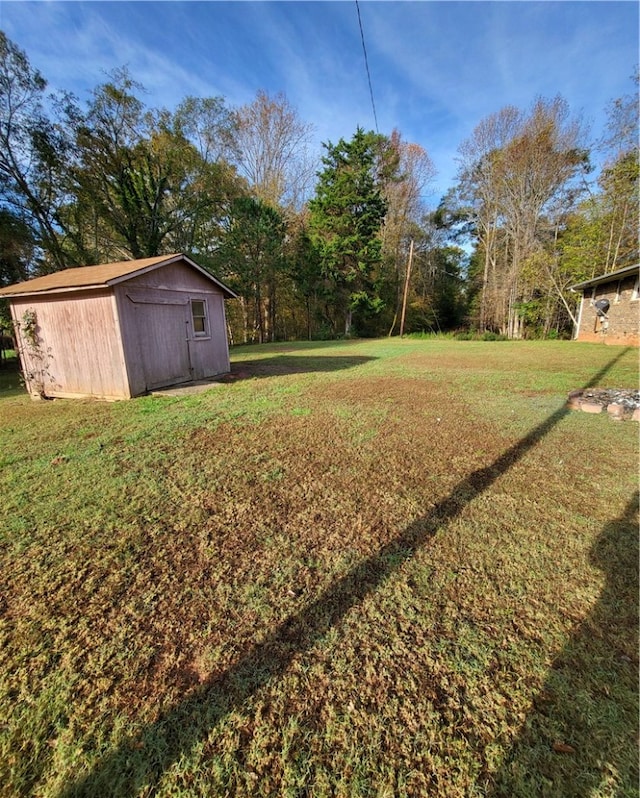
(258, 323)
(406, 289)
(272, 309)
(245, 320)
(483, 295)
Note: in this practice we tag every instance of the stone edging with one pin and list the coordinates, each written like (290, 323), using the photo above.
(598, 401)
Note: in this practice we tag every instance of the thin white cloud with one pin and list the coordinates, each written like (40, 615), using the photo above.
(75, 46)
(469, 57)
(437, 68)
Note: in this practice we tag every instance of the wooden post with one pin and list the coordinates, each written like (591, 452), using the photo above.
(406, 289)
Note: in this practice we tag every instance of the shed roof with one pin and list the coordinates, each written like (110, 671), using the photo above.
(103, 275)
(607, 278)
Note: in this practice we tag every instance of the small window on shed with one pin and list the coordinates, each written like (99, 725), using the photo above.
(199, 318)
(635, 294)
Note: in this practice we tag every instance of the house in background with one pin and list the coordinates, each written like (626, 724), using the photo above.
(610, 308)
(119, 330)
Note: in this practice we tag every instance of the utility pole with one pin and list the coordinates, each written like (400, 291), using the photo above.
(406, 288)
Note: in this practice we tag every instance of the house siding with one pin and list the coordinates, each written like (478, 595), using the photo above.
(622, 325)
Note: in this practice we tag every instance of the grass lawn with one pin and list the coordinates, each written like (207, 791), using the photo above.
(369, 568)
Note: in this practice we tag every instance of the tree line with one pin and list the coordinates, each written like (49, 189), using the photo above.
(344, 245)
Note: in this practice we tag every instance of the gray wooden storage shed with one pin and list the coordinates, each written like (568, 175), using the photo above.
(119, 330)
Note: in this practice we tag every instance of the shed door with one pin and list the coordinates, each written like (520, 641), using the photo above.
(162, 332)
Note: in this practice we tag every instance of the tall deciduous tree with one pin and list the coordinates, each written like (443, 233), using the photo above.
(619, 182)
(142, 186)
(346, 218)
(412, 171)
(16, 248)
(211, 183)
(517, 172)
(210, 126)
(601, 234)
(130, 164)
(35, 150)
(272, 150)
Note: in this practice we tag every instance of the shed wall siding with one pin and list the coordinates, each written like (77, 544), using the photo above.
(80, 346)
(622, 326)
(173, 277)
(210, 356)
(122, 341)
(157, 331)
(160, 330)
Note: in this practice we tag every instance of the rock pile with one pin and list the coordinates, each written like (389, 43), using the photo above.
(620, 404)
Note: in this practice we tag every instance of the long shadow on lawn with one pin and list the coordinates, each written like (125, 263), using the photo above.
(139, 763)
(285, 363)
(584, 723)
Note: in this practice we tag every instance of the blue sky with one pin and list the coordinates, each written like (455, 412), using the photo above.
(437, 68)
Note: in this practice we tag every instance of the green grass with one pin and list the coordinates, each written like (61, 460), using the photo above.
(367, 568)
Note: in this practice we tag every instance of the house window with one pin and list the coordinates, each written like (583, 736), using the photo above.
(199, 318)
(616, 300)
(635, 294)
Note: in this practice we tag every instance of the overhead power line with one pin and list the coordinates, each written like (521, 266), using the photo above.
(366, 63)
